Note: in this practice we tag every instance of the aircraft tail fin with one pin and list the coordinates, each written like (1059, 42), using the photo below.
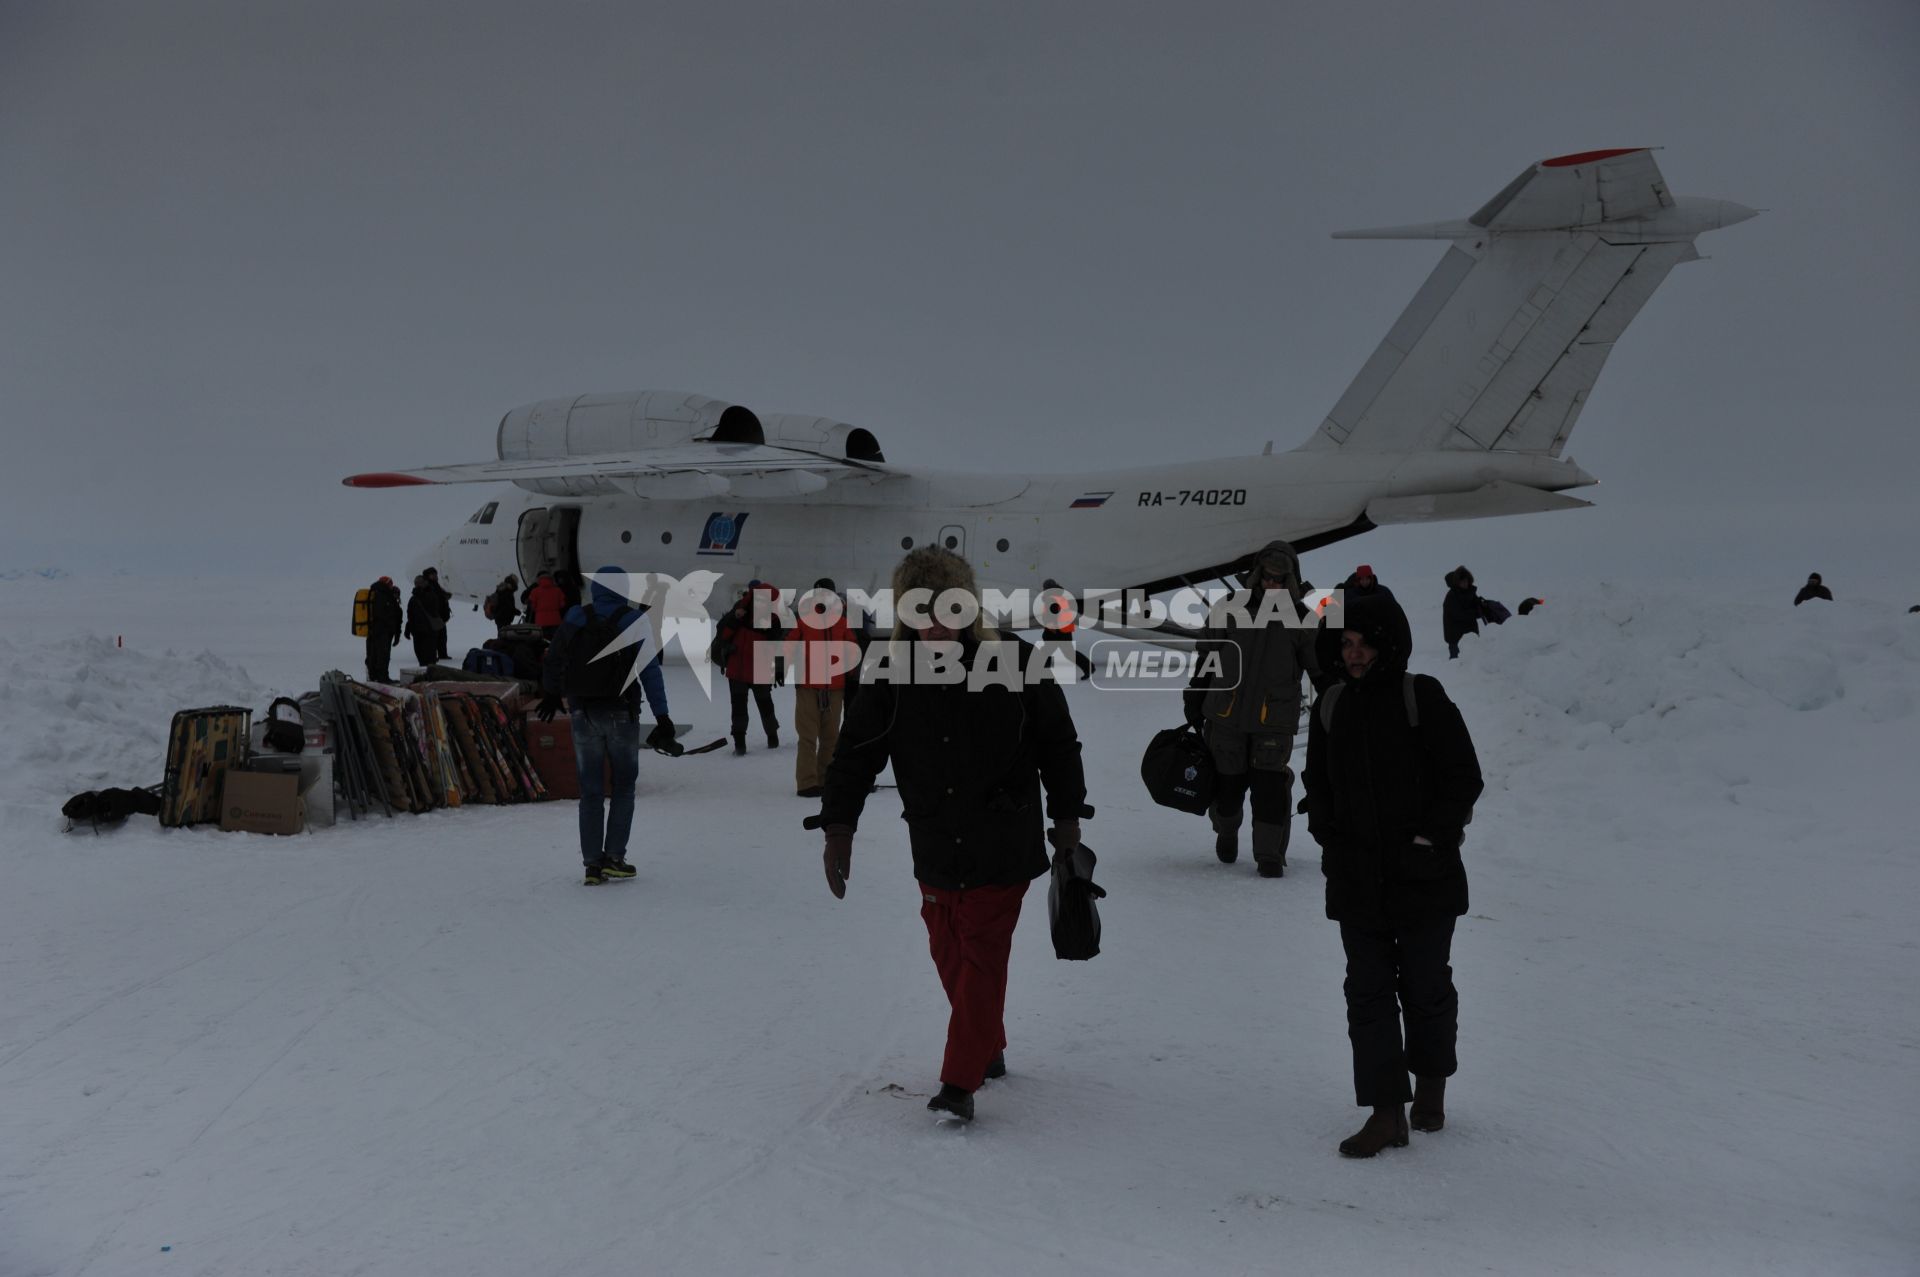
(1503, 343)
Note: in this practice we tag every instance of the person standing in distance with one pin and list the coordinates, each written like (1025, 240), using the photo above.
(1391, 780)
(594, 671)
(384, 623)
(971, 763)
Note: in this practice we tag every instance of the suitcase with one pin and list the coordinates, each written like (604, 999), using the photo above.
(201, 745)
(550, 746)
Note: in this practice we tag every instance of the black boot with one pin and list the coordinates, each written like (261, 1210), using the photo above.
(773, 738)
(954, 1101)
(997, 1066)
(1429, 1104)
(1270, 848)
(739, 744)
(1387, 1128)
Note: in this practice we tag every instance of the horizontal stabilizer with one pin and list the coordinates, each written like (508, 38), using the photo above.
(1490, 501)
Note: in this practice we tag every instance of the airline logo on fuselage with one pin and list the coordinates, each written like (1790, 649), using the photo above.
(722, 533)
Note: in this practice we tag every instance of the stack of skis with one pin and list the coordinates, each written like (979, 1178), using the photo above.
(405, 750)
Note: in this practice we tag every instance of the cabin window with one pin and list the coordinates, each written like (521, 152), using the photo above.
(1001, 545)
(906, 543)
(626, 538)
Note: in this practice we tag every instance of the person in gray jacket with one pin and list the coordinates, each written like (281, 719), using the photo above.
(1245, 695)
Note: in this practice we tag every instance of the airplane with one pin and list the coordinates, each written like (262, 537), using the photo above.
(1461, 412)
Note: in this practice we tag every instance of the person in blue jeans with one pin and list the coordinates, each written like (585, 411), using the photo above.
(591, 671)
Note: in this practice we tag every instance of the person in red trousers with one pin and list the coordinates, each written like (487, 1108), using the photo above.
(971, 757)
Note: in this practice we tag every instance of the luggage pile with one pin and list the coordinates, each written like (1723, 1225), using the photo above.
(420, 748)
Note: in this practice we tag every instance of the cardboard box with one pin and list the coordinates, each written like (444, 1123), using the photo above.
(258, 803)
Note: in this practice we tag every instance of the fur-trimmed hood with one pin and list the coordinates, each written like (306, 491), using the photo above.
(937, 570)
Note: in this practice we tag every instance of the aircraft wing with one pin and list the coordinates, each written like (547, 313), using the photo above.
(671, 473)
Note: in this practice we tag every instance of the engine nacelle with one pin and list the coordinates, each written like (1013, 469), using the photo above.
(632, 421)
(828, 438)
(587, 425)
(638, 420)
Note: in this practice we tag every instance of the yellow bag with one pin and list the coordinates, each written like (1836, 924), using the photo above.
(362, 611)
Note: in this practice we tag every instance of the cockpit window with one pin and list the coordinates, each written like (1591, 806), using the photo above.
(485, 513)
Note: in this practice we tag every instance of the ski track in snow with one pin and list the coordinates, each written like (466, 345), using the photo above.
(1689, 1041)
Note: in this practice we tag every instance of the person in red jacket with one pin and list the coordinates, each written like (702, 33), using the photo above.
(818, 652)
(547, 604)
(736, 648)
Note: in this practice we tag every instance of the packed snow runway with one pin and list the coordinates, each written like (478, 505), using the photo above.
(1689, 1037)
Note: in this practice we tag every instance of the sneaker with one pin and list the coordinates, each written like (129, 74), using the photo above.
(953, 1101)
(595, 876)
(618, 869)
(997, 1066)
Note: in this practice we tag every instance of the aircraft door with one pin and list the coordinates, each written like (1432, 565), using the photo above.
(953, 537)
(548, 541)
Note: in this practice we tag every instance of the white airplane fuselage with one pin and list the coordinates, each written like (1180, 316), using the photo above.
(1130, 527)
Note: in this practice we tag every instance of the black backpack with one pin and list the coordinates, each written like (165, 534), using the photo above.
(1178, 770)
(605, 679)
(285, 735)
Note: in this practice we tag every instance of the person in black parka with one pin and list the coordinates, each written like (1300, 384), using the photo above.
(1391, 780)
(1460, 613)
(384, 622)
(1813, 589)
(971, 762)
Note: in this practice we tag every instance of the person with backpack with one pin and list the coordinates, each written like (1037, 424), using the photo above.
(1460, 612)
(598, 680)
(503, 605)
(816, 649)
(972, 761)
(1391, 780)
(546, 604)
(384, 623)
(1245, 695)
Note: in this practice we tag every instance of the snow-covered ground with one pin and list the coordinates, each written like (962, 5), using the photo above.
(1690, 1038)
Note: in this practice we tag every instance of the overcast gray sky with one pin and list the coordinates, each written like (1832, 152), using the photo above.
(247, 248)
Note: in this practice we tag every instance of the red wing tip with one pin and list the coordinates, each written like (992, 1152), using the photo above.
(1588, 157)
(385, 480)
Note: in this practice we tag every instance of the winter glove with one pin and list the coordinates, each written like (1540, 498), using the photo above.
(396, 640)
(661, 739)
(839, 859)
(1065, 837)
(1193, 698)
(407, 632)
(779, 672)
(549, 706)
